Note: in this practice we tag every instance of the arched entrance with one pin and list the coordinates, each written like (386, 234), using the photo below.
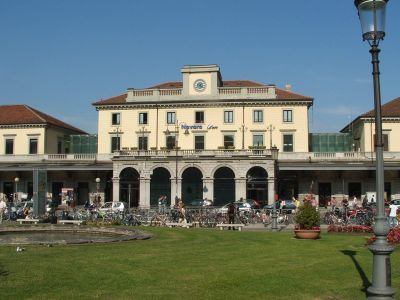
(160, 184)
(192, 185)
(257, 185)
(129, 187)
(224, 186)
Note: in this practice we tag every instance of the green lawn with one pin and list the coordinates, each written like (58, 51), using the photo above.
(194, 264)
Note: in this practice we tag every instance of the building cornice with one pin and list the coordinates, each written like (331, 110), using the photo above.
(204, 103)
(23, 126)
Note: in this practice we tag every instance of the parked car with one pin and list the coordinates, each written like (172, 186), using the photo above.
(284, 204)
(242, 206)
(200, 202)
(397, 203)
(116, 206)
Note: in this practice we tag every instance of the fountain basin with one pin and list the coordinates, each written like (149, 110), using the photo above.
(64, 234)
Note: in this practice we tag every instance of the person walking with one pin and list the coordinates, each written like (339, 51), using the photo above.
(182, 212)
(231, 214)
(392, 215)
(2, 209)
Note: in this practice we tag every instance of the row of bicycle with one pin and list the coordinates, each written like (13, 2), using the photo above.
(205, 217)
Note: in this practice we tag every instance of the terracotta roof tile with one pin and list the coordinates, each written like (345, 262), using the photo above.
(24, 114)
(120, 99)
(284, 94)
(389, 109)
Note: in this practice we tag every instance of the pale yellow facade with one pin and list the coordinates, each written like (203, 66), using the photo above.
(364, 132)
(21, 137)
(213, 102)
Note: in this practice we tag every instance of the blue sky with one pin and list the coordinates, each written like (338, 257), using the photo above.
(60, 56)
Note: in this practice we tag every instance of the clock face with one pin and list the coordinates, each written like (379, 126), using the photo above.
(199, 85)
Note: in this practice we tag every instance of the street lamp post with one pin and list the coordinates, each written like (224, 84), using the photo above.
(129, 196)
(16, 179)
(372, 18)
(142, 144)
(97, 191)
(270, 128)
(176, 158)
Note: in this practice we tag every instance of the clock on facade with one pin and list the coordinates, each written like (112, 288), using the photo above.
(199, 85)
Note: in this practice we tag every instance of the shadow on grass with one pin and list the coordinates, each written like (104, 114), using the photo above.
(3, 273)
(364, 278)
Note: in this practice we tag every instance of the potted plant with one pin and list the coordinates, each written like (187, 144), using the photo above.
(307, 222)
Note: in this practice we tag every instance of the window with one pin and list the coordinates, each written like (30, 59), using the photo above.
(33, 146)
(385, 139)
(288, 143)
(59, 146)
(199, 142)
(199, 117)
(115, 143)
(170, 142)
(258, 116)
(9, 146)
(258, 140)
(228, 116)
(287, 115)
(143, 118)
(171, 117)
(143, 142)
(229, 141)
(116, 119)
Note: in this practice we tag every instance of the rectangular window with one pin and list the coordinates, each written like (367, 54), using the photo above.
(288, 115)
(59, 147)
(258, 116)
(143, 142)
(143, 118)
(199, 142)
(258, 140)
(170, 142)
(115, 143)
(228, 116)
(199, 117)
(9, 146)
(33, 146)
(116, 119)
(229, 141)
(385, 139)
(171, 117)
(288, 143)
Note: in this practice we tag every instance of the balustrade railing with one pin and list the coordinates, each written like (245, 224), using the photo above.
(202, 154)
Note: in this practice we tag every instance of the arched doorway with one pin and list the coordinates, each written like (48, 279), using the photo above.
(224, 186)
(129, 187)
(192, 185)
(160, 184)
(257, 185)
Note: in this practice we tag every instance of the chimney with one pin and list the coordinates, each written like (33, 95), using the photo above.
(288, 86)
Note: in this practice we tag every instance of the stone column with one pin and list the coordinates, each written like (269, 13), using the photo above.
(144, 192)
(271, 190)
(240, 188)
(115, 181)
(208, 188)
(176, 190)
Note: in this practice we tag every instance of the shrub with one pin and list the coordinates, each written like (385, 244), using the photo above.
(393, 237)
(350, 228)
(307, 217)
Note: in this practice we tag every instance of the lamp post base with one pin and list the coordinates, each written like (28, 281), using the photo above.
(381, 282)
(274, 224)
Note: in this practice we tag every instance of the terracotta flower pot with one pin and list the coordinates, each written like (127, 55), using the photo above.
(311, 234)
